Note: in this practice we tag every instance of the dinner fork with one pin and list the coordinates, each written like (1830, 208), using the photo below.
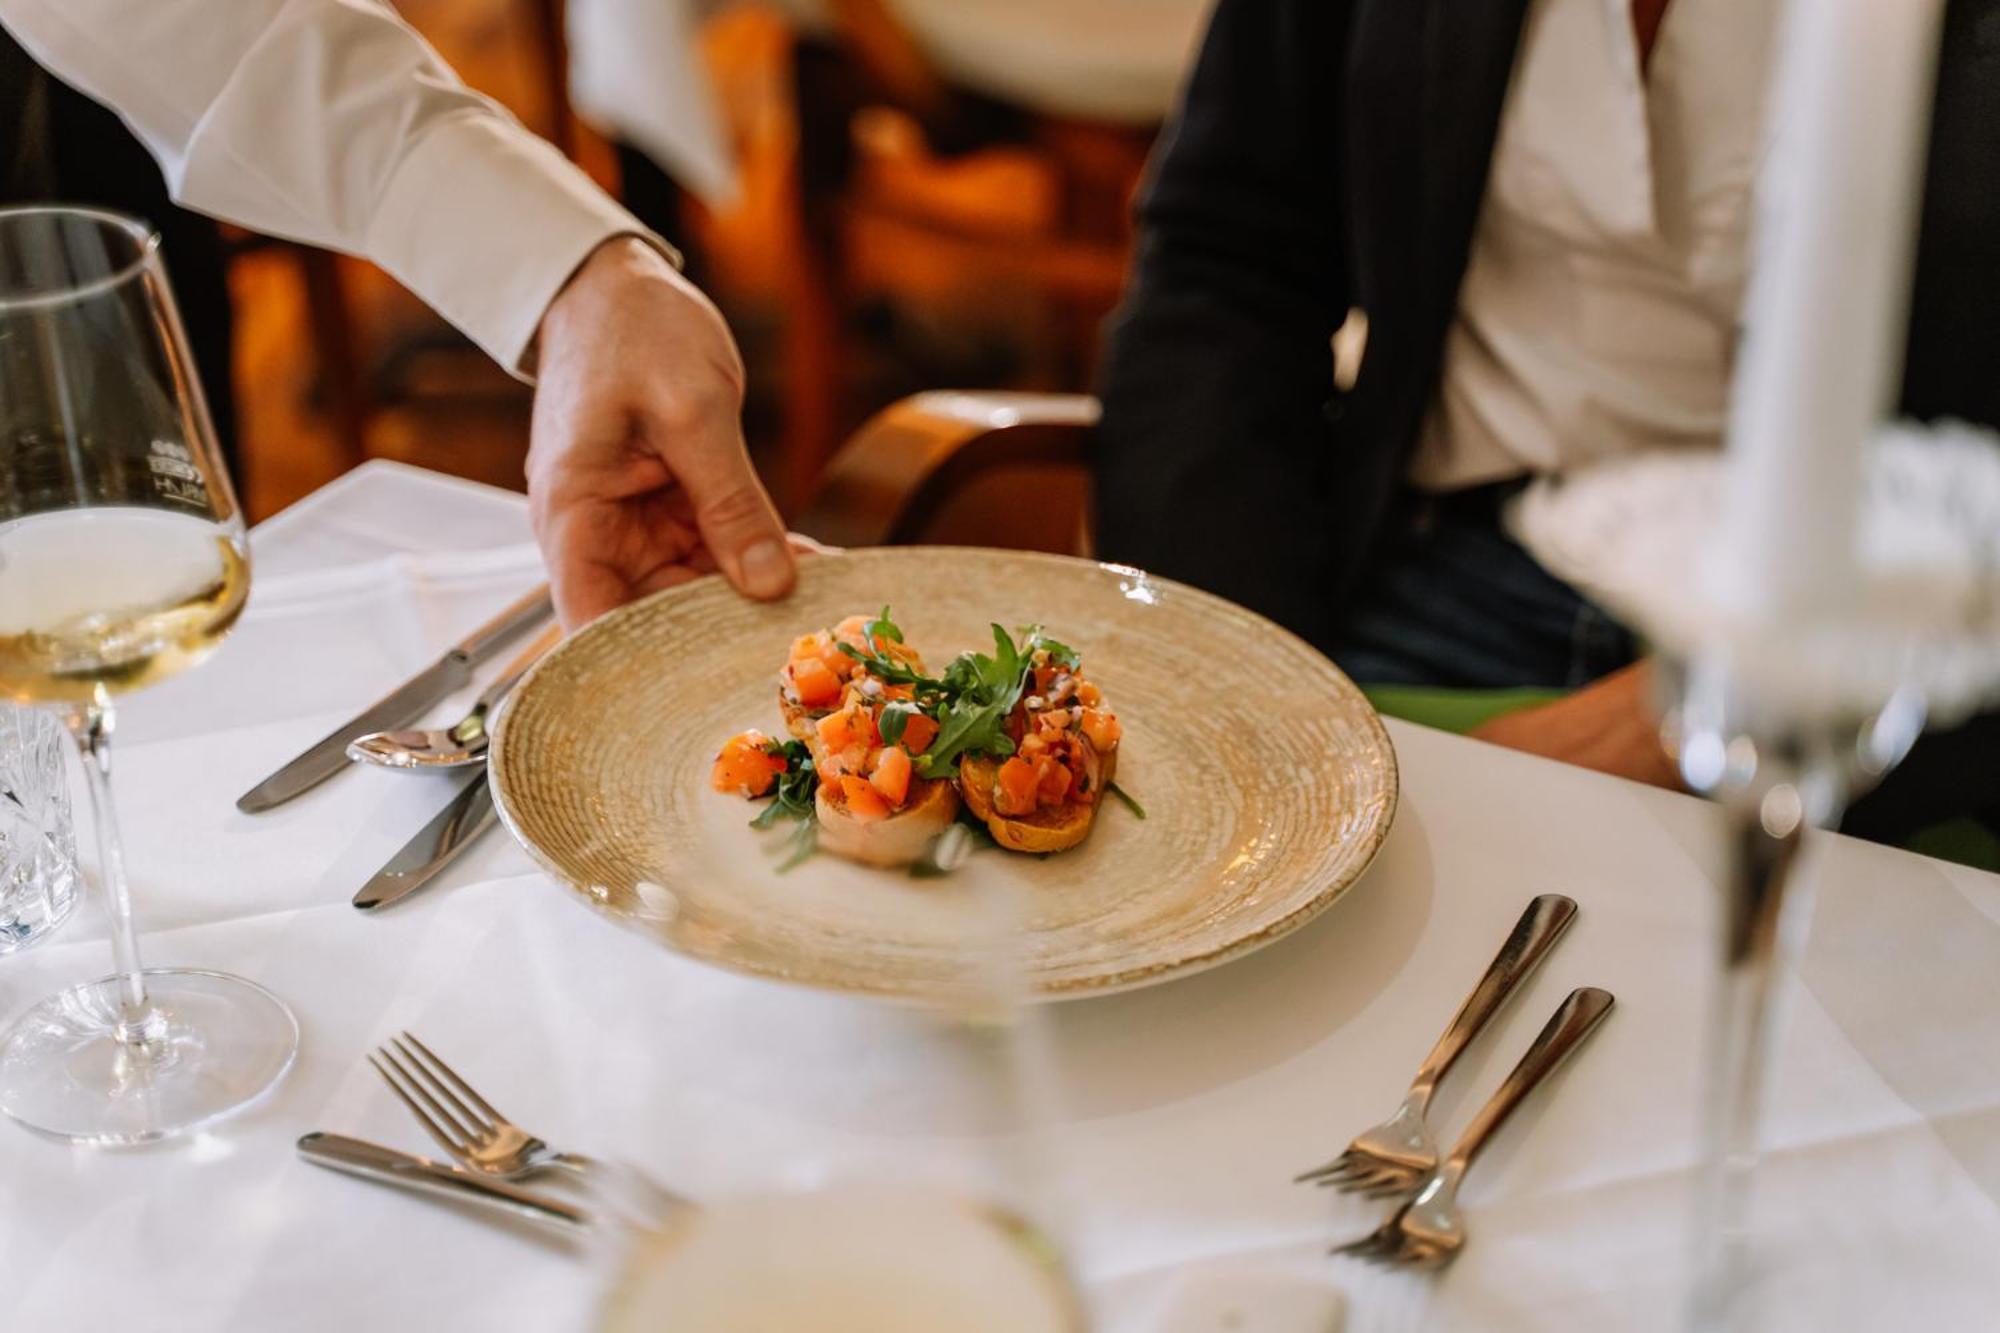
(1429, 1230)
(462, 1122)
(1394, 1156)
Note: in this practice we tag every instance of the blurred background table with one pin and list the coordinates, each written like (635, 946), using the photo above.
(1183, 1110)
(884, 196)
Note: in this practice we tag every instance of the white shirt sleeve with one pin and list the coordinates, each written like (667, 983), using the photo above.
(333, 122)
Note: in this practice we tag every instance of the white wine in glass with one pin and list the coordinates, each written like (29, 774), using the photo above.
(123, 561)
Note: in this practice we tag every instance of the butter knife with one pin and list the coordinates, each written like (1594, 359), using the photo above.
(435, 846)
(372, 1161)
(399, 707)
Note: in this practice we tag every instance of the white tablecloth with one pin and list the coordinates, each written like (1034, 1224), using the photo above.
(1181, 1111)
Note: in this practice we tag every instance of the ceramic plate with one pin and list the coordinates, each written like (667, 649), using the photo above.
(1267, 779)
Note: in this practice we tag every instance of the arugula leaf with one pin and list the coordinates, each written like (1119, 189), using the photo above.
(792, 798)
(882, 628)
(966, 727)
(1126, 797)
(1061, 654)
(895, 719)
(890, 670)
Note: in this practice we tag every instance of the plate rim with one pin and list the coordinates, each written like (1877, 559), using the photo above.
(1103, 983)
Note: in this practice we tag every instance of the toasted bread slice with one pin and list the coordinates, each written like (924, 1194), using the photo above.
(1056, 829)
(905, 836)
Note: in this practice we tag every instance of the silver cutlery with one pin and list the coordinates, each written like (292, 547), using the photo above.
(434, 846)
(373, 1162)
(1394, 1156)
(1429, 1230)
(462, 744)
(462, 1122)
(401, 706)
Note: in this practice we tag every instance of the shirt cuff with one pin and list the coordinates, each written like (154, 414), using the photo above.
(487, 223)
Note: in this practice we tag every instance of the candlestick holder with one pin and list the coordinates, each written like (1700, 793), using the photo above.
(1783, 722)
(1775, 778)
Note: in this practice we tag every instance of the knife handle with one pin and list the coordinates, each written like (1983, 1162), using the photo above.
(482, 643)
(371, 1161)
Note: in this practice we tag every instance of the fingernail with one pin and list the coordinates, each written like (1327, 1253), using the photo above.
(767, 568)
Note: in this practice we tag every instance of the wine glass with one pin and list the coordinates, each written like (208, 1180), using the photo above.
(122, 562)
(888, 1246)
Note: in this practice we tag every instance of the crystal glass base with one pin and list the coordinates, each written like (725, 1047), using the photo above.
(213, 1045)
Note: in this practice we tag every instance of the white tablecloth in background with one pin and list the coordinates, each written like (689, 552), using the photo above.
(1182, 1110)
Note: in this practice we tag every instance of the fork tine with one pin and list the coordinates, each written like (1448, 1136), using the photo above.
(1388, 1187)
(476, 1125)
(415, 1078)
(1361, 1247)
(1335, 1167)
(432, 1127)
(492, 1116)
(1371, 1178)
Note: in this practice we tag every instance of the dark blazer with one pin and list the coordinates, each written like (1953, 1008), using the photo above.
(1331, 154)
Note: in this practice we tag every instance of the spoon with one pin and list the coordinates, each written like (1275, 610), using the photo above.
(460, 745)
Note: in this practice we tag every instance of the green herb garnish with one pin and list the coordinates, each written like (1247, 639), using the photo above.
(1126, 797)
(793, 799)
(895, 720)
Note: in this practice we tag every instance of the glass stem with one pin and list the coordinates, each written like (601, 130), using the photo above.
(91, 725)
(1741, 1020)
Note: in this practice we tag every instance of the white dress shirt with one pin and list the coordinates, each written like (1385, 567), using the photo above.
(333, 122)
(1600, 307)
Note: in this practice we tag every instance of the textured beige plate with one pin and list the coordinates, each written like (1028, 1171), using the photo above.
(1267, 778)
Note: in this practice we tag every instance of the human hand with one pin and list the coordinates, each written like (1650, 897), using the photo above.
(1608, 725)
(638, 478)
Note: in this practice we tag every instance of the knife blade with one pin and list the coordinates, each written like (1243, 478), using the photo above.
(372, 1161)
(435, 846)
(400, 707)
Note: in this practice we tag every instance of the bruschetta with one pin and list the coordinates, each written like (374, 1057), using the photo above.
(1045, 796)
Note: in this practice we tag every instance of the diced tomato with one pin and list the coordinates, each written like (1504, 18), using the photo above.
(746, 766)
(1015, 789)
(891, 774)
(817, 686)
(1102, 728)
(851, 726)
(1054, 785)
(1032, 745)
(899, 691)
(1088, 694)
(1057, 719)
(1045, 676)
(863, 801)
(918, 733)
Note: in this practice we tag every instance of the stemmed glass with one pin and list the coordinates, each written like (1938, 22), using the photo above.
(122, 562)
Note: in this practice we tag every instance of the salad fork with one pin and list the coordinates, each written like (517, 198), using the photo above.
(1394, 1156)
(462, 1122)
(1429, 1230)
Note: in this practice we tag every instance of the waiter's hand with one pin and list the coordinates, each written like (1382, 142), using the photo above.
(637, 474)
(1608, 725)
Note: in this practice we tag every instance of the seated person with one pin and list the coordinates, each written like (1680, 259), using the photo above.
(1532, 218)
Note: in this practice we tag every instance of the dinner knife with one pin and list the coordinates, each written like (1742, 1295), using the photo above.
(372, 1161)
(435, 846)
(399, 707)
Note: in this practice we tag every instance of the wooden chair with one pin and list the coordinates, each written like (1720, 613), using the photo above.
(961, 467)
(983, 468)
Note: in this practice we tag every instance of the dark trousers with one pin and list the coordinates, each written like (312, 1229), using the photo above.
(1453, 602)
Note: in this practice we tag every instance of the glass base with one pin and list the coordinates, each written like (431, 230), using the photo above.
(212, 1045)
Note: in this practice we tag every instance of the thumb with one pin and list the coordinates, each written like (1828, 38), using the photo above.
(738, 523)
